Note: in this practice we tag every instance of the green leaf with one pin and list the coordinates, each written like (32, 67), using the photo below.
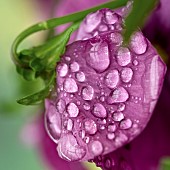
(140, 11)
(38, 97)
(165, 164)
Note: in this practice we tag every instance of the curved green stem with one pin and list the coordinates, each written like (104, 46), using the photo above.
(59, 21)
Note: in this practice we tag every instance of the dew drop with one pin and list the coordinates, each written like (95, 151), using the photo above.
(74, 66)
(118, 116)
(80, 76)
(73, 110)
(126, 74)
(110, 136)
(110, 17)
(96, 147)
(53, 123)
(87, 93)
(112, 78)
(116, 38)
(111, 128)
(69, 149)
(125, 124)
(69, 124)
(135, 62)
(123, 56)
(138, 43)
(121, 107)
(70, 85)
(99, 110)
(108, 163)
(103, 28)
(86, 139)
(98, 57)
(62, 70)
(61, 104)
(86, 106)
(90, 126)
(119, 95)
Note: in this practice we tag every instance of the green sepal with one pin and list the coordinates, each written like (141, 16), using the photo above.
(38, 97)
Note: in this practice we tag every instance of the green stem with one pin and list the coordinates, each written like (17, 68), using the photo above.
(49, 24)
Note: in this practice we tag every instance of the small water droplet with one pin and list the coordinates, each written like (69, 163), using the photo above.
(102, 98)
(96, 147)
(62, 70)
(103, 28)
(90, 126)
(86, 106)
(126, 74)
(61, 104)
(73, 110)
(135, 62)
(98, 57)
(112, 78)
(111, 128)
(119, 95)
(70, 85)
(123, 56)
(69, 125)
(108, 163)
(80, 76)
(86, 139)
(125, 124)
(116, 38)
(82, 134)
(69, 149)
(74, 66)
(99, 110)
(110, 136)
(67, 58)
(92, 21)
(87, 92)
(138, 43)
(121, 107)
(53, 123)
(110, 17)
(118, 116)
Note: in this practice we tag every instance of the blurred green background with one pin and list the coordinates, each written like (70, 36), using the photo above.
(15, 16)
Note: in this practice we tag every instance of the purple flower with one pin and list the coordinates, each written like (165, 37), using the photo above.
(106, 92)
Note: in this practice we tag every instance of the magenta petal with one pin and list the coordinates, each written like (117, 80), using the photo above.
(102, 85)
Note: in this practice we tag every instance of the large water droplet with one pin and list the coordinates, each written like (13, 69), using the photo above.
(96, 148)
(53, 123)
(125, 124)
(90, 126)
(126, 74)
(112, 78)
(138, 43)
(119, 95)
(98, 57)
(92, 21)
(61, 104)
(99, 110)
(69, 149)
(80, 76)
(118, 116)
(69, 124)
(74, 66)
(87, 93)
(70, 85)
(73, 110)
(110, 17)
(62, 69)
(123, 56)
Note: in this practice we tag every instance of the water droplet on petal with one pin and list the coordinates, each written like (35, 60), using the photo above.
(74, 66)
(125, 124)
(69, 149)
(103, 28)
(111, 128)
(90, 126)
(121, 107)
(110, 136)
(87, 93)
(98, 57)
(108, 163)
(53, 123)
(123, 56)
(70, 85)
(62, 69)
(73, 110)
(135, 62)
(126, 74)
(69, 124)
(93, 20)
(110, 17)
(118, 116)
(80, 76)
(96, 148)
(86, 106)
(116, 38)
(99, 110)
(112, 78)
(138, 43)
(61, 104)
(119, 95)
